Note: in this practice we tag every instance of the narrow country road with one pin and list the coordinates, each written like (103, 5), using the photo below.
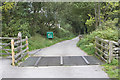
(64, 48)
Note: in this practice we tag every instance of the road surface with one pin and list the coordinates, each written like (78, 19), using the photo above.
(64, 48)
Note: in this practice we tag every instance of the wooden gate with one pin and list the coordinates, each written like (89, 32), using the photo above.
(17, 47)
(106, 49)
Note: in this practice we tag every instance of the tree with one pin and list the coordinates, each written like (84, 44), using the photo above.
(40, 17)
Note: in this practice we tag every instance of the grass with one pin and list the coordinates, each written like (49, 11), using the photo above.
(112, 69)
(2, 51)
(38, 41)
(89, 49)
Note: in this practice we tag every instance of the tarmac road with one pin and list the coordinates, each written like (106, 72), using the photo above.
(64, 48)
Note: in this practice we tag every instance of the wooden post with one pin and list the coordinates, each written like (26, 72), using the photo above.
(110, 51)
(27, 43)
(101, 47)
(13, 53)
(96, 20)
(20, 38)
(80, 36)
(119, 56)
(95, 44)
(119, 47)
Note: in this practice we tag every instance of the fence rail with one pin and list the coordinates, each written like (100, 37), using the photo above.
(8, 38)
(106, 49)
(16, 48)
(3, 48)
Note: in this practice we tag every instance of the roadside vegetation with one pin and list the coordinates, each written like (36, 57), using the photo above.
(112, 69)
(38, 41)
(107, 31)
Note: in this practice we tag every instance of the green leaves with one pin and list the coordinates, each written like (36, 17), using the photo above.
(7, 6)
(40, 17)
(90, 21)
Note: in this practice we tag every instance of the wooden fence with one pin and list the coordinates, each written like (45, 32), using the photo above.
(106, 49)
(5, 48)
(18, 48)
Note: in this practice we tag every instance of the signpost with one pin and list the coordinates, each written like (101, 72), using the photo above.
(50, 35)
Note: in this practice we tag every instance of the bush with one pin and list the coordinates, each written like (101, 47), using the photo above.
(88, 40)
(14, 26)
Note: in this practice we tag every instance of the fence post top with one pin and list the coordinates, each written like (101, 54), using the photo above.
(26, 37)
(96, 37)
(19, 34)
(119, 41)
(12, 40)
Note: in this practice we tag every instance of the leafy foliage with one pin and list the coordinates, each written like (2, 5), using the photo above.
(105, 32)
(40, 17)
(16, 26)
(7, 6)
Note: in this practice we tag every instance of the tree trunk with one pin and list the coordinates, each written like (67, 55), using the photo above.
(99, 14)
(96, 20)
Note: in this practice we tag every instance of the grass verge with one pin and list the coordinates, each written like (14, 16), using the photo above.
(112, 69)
